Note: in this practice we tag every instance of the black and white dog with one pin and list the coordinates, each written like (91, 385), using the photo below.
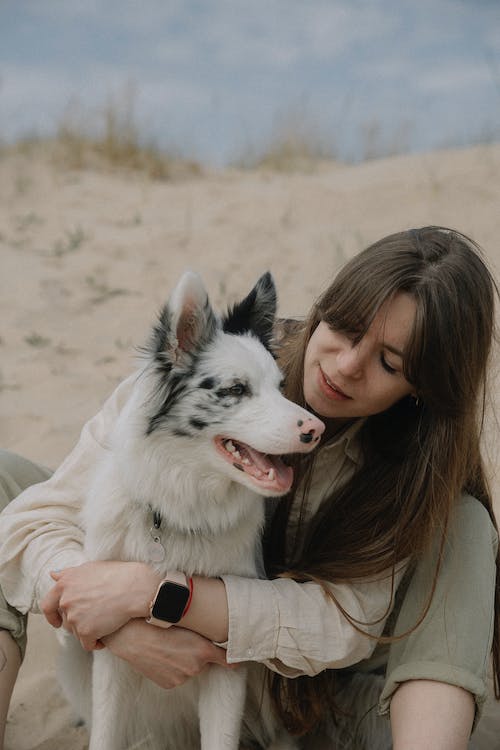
(196, 447)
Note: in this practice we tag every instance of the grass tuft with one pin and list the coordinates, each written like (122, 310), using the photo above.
(72, 241)
(37, 340)
(295, 145)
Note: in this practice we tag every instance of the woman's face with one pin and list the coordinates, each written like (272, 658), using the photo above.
(344, 379)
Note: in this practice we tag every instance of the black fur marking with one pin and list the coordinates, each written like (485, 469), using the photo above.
(207, 383)
(198, 424)
(209, 409)
(158, 348)
(254, 314)
(181, 433)
(159, 339)
(174, 388)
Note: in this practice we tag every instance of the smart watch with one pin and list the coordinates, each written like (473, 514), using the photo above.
(171, 601)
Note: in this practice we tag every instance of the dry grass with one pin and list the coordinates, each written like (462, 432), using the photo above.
(107, 140)
(299, 145)
(290, 153)
(295, 145)
(110, 138)
(377, 142)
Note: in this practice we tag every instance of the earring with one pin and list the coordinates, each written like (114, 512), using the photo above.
(416, 400)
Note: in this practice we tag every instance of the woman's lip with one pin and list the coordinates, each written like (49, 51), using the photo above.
(331, 389)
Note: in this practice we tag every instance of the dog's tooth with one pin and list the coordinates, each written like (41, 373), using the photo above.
(246, 461)
(271, 474)
(229, 446)
(236, 453)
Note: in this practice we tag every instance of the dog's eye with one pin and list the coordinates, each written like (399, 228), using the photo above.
(238, 389)
(235, 390)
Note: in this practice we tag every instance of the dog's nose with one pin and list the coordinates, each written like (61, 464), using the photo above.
(311, 429)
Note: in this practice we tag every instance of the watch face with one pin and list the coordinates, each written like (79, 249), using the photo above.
(170, 602)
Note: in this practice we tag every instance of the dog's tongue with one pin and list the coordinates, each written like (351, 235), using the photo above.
(283, 474)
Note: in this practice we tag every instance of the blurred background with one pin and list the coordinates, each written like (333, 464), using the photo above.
(139, 138)
(222, 81)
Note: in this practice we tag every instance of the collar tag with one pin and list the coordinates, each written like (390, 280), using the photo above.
(155, 548)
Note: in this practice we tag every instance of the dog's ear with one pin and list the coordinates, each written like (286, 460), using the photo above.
(193, 320)
(255, 313)
(186, 323)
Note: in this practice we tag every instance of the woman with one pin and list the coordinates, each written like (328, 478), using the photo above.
(393, 358)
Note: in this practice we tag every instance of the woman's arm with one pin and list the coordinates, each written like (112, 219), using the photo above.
(294, 628)
(167, 657)
(106, 603)
(446, 657)
(40, 530)
(94, 599)
(431, 715)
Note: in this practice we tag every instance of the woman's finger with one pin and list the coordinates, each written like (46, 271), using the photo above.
(50, 607)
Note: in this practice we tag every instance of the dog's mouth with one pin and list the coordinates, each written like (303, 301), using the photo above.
(268, 473)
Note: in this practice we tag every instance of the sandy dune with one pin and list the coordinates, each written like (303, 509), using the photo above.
(87, 259)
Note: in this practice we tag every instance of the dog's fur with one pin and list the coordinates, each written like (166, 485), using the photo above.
(205, 380)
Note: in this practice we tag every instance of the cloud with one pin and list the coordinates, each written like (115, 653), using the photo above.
(454, 76)
(29, 98)
(114, 14)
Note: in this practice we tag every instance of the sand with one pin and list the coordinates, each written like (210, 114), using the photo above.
(88, 257)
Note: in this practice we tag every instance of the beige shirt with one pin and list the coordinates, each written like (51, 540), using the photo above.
(293, 628)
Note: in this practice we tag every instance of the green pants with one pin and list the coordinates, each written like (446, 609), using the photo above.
(16, 473)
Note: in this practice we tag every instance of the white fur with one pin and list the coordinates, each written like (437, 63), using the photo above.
(212, 518)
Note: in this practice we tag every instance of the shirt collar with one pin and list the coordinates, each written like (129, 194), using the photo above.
(349, 439)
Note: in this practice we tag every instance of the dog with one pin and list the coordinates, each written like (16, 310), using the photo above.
(193, 452)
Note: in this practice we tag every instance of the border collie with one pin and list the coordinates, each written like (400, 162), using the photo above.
(193, 452)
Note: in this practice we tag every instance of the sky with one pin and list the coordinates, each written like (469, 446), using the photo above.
(216, 80)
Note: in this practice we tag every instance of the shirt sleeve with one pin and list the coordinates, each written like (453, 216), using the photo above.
(296, 629)
(40, 529)
(453, 642)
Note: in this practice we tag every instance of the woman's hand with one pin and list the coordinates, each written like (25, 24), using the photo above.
(96, 598)
(167, 657)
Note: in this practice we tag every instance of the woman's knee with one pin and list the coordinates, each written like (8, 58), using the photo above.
(16, 474)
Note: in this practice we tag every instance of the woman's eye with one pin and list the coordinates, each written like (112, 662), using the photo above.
(387, 367)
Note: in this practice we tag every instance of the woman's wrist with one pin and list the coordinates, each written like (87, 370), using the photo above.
(144, 583)
(208, 611)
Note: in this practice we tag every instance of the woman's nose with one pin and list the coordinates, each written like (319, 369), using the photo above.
(350, 361)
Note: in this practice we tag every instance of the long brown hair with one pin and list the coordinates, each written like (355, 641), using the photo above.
(418, 456)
